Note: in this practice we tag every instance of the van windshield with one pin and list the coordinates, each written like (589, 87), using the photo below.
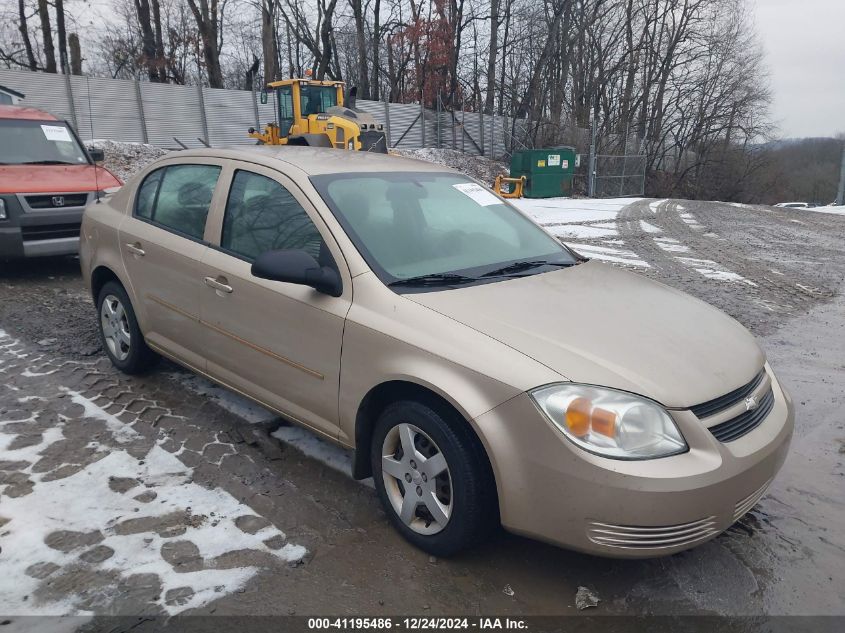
(437, 227)
(38, 143)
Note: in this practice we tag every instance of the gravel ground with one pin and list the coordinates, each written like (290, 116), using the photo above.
(126, 159)
(478, 167)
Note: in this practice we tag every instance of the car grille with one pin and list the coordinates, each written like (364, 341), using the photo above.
(744, 505)
(712, 407)
(49, 231)
(746, 422)
(645, 538)
(47, 201)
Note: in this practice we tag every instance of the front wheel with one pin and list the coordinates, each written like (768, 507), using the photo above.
(432, 477)
(119, 331)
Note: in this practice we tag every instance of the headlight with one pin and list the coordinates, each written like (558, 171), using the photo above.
(3, 214)
(610, 423)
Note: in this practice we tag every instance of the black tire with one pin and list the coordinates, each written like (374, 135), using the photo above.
(140, 358)
(473, 490)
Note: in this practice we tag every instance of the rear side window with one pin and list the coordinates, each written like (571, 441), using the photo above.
(147, 195)
(261, 215)
(178, 197)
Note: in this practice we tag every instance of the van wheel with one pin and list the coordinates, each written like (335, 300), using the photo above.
(432, 477)
(119, 332)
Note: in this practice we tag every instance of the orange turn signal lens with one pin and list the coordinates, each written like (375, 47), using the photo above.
(604, 422)
(578, 416)
(582, 417)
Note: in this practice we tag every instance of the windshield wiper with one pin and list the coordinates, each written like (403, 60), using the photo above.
(434, 279)
(48, 162)
(518, 267)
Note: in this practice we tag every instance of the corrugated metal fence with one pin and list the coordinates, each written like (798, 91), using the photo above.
(143, 112)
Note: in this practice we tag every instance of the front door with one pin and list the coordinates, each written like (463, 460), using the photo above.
(279, 343)
(162, 245)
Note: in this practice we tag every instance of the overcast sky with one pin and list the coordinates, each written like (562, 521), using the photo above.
(805, 53)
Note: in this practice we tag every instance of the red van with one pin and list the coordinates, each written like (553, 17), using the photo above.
(46, 179)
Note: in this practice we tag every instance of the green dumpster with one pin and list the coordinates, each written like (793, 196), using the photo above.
(548, 172)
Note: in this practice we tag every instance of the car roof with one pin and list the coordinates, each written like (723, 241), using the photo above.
(25, 113)
(315, 160)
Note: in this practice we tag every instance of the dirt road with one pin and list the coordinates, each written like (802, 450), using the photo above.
(165, 495)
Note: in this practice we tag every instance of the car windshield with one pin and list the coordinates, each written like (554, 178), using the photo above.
(38, 142)
(436, 227)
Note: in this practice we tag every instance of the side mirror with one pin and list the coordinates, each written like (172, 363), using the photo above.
(97, 155)
(297, 267)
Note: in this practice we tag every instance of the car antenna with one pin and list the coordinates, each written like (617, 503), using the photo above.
(91, 124)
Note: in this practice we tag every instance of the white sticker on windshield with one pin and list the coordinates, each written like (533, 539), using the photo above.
(477, 193)
(56, 133)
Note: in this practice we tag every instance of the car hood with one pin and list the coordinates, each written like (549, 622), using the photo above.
(601, 325)
(55, 178)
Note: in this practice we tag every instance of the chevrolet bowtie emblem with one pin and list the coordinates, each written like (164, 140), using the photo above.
(751, 403)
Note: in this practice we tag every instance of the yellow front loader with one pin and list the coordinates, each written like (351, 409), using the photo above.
(310, 112)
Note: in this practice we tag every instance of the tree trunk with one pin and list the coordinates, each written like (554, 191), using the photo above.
(75, 54)
(32, 63)
(324, 65)
(361, 41)
(207, 19)
(491, 57)
(62, 32)
(268, 40)
(47, 36)
(374, 76)
(161, 63)
(142, 8)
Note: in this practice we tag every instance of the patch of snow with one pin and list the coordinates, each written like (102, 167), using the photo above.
(580, 231)
(691, 221)
(672, 247)
(84, 502)
(242, 407)
(713, 270)
(302, 439)
(831, 210)
(650, 228)
(614, 255)
(654, 206)
(123, 433)
(546, 211)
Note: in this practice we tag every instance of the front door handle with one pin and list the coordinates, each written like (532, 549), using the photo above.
(136, 249)
(218, 285)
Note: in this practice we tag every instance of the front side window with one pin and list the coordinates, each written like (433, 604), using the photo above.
(261, 216)
(317, 99)
(178, 198)
(412, 224)
(39, 143)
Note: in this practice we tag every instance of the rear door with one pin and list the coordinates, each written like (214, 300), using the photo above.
(162, 245)
(277, 342)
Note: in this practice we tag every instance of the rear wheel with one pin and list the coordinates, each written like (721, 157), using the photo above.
(119, 332)
(432, 477)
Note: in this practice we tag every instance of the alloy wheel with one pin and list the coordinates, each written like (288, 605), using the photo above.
(115, 325)
(416, 479)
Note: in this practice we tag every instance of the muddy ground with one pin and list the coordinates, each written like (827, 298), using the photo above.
(787, 556)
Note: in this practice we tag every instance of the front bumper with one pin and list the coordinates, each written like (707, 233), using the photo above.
(29, 232)
(552, 490)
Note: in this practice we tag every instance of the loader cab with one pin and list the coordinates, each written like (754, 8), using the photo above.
(298, 99)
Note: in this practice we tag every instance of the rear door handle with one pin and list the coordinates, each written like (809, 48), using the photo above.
(135, 249)
(218, 285)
